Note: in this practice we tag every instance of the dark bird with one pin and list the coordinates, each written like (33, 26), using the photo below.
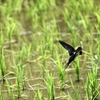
(72, 52)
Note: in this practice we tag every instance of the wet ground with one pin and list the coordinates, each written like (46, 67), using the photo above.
(33, 80)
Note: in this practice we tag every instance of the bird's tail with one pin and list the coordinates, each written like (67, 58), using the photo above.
(66, 65)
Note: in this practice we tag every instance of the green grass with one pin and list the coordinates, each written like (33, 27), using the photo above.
(75, 91)
(29, 34)
(1, 37)
(77, 69)
(10, 91)
(50, 86)
(38, 95)
(19, 73)
(61, 71)
(1, 97)
(87, 89)
(2, 65)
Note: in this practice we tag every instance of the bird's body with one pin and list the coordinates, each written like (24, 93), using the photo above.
(72, 52)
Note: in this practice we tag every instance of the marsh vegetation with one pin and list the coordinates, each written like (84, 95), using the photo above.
(31, 58)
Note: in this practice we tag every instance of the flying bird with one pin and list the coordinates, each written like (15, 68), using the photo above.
(72, 52)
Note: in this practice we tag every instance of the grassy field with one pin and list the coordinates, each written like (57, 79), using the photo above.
(31, 58)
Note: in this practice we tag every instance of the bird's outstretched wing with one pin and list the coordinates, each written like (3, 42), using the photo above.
(68, 47)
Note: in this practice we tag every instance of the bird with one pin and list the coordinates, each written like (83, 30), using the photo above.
(72, 52)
